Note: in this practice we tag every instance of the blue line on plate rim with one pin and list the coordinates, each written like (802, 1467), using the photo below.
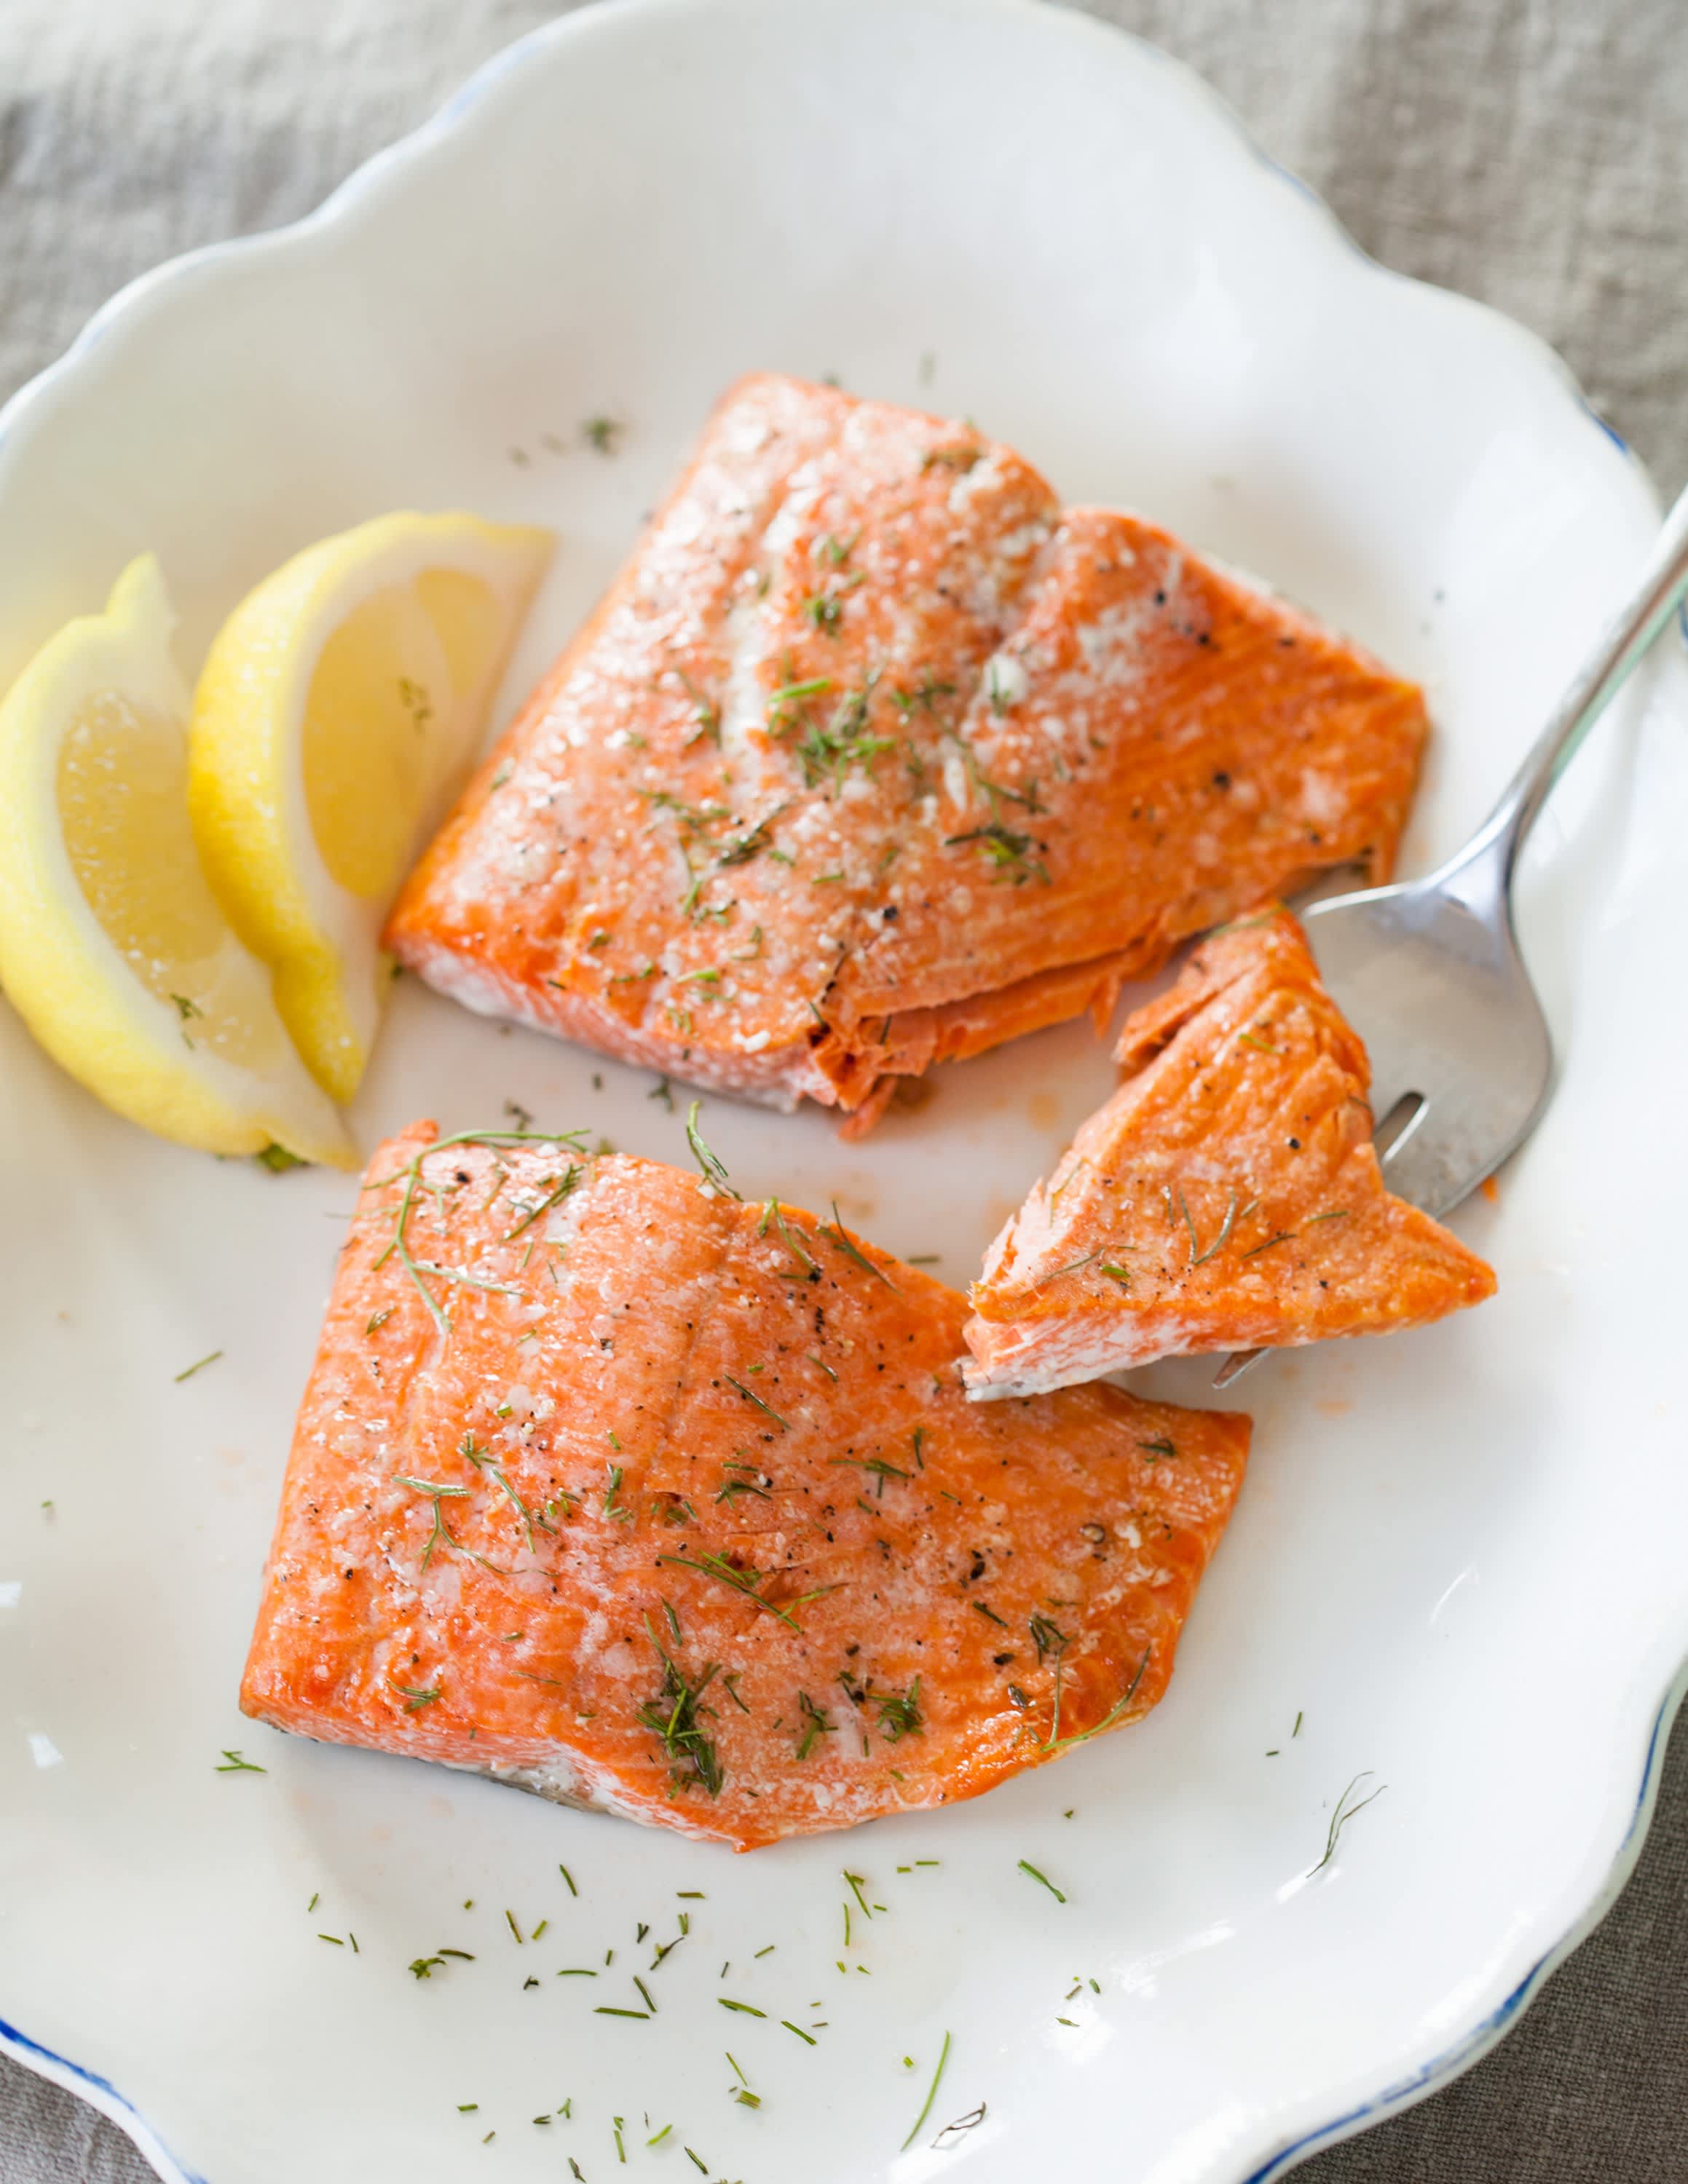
(21, 2048)
(1442, 2070)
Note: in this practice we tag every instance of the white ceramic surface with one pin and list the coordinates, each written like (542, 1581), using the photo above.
(1458, 1559)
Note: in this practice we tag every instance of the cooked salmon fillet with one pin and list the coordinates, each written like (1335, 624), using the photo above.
(613, 1487)
(873, 756)
(1226, 1197)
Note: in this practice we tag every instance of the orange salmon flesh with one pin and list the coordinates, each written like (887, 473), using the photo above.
(1227, 1197)
(610, 1486)
(875, 756)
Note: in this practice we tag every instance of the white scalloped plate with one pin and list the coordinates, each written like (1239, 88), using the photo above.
(1458, 1560)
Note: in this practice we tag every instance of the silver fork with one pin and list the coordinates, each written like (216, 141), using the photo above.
(1428, 971)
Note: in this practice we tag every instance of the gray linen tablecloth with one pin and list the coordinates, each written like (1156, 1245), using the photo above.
(1529, 151)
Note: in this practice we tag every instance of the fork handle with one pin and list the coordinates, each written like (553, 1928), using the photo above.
(1621, 648)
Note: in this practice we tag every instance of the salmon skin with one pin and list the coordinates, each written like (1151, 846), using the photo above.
(1227, 1197)
(873, 756)
(610, 1486)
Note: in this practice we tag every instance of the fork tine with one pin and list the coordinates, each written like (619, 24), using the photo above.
(1235, 1366)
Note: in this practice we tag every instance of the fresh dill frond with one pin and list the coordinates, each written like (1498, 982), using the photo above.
(1199, 1257)
(932, 2095)
(1344, 1813)
(744, 1582)
(815, 1724)
(1008, 853)
(750, 1396)
(874, 1465)
(715, 1176)
(788, 705)
(1283, 1236)
(1083, 1735)
(835, 1235)
(898, 1714)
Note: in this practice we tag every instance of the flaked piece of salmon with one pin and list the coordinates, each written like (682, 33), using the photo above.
(611, 1486)
(1227, 1197)
(871, 756)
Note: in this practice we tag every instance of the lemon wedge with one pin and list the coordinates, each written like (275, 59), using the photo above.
(337, 713)
(112, 948)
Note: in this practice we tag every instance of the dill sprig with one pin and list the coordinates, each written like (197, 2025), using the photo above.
(1026, 1866)
(1051, 1643)
(411, 1174)
(707, 718)
(746, 845)
(744, 1582)
(730, 1488)
(715, 1176)
(815, 1724)
(1283, 1236)
(932, 2095)
(843, 743)
(564, 1185)
(750, 1396)
(835, 1235)
(435, 1493)
(875, 1467)
(673, 1716)
(788, 705)
(1008, 852)
(923, 697)
(232, 1762)
(471, 1450)
(825, 608)
(1083, 1735)
(1198, 1256)
(1344, 1812)
(997, 791)
(898, 1714)
(772, 1211)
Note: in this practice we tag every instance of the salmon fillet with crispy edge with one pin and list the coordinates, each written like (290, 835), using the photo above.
(612, 1487)
(871, 756)
(1227, 1197)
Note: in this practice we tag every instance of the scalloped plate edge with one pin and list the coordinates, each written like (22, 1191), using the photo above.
(148, 290)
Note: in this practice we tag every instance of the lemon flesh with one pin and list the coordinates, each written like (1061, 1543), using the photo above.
(339, 710)
(113, 947)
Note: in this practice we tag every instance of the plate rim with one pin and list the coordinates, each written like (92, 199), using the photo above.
(1266, 2162)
